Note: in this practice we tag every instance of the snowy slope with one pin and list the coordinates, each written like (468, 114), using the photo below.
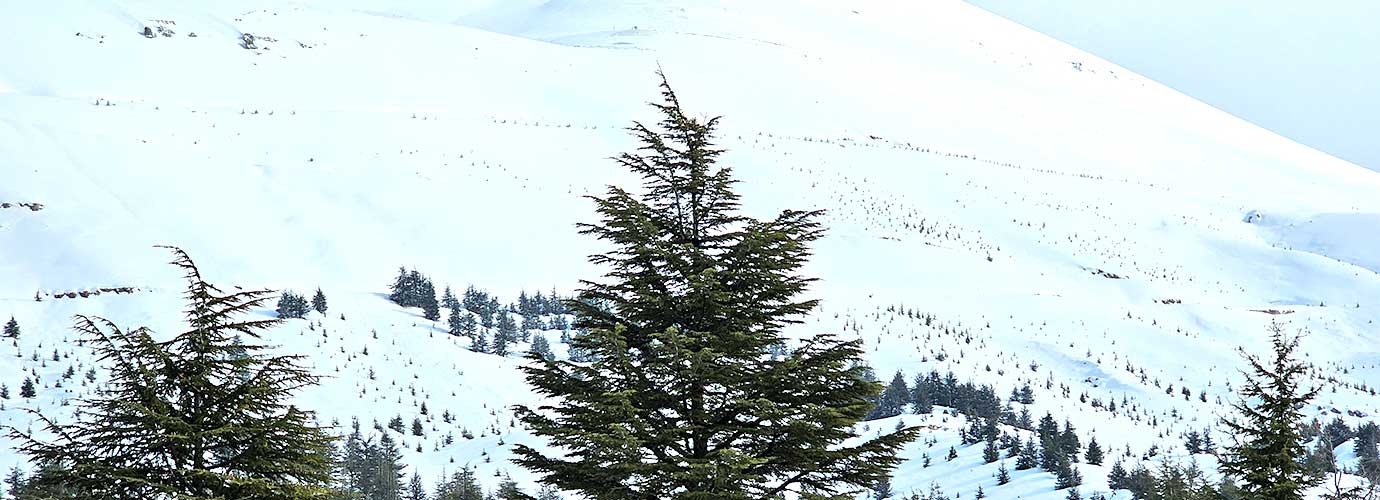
(974, 172)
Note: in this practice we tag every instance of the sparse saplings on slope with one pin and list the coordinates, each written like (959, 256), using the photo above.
(1268, 452)
(170, 408)
(683, 400)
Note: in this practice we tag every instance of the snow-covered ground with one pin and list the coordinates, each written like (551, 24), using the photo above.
(974, 172)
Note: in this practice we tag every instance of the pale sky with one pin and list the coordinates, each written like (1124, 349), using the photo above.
(1309, 71)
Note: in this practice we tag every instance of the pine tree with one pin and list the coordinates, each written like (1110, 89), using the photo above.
(548, 492)
(1094, 454)
(507, 332)
(12, 328)
(318, 301)
(291, 306)
(1003, 476)
(479, 344)
(15, 482)
(894, 399)
(468, 326)
(1050, 453)
(170, 407)
(431, 310)
(383, 470)
(26, 390)
(1268, 453)
(541, 347)
(1117, 477)
(1068, 441)
(457, 322)
(398, 290)
(415, 489)
(990, 452)
(448, 299)
(416, 426)
(1029, 457)
(882, 490)
(683, 400)
(1066, 475)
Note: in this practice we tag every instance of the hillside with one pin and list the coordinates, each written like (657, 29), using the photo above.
(1000, 205)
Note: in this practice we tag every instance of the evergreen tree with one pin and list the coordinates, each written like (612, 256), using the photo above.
(456, 322)
(398, 290)
(170, 407)
(1068, 441)
(1066, 475)
(318, 301)
(1193, 442)
(1337, 432)
(1116, 477)
(431, 310)
(416, 426)
(683, 400)
(1050, 452)
(468, 326)
(1003, 476)
(1368, 455)
(15, 482)
(1268, 453)
(463, 485)
(291, 305)
(921, 399)
(541, 347)
(415, 489)
(26, 390)
(448, 299)
(479, 344)
(507, 332)
(12, 328)
(500, 343)
(1029, 457)
(990, 452)
(1094, 454)
(882, 490)
(894, 399)
(385, 466)
(548, 492)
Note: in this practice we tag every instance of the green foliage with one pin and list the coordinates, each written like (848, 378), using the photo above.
(292, 305)
(1029, 457)
(412, 289)
(372, 469)
(26, 389)
(461, 485)
(1268, 452)
(12, 328)
(682, 398)
(541, 347)
(318, 301)
(1094, 453)
(176, 420)
(894, 399)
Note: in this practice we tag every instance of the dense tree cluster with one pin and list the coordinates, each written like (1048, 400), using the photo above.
(292, 305)
(412, 289)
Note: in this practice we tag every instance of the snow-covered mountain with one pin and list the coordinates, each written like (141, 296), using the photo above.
(999, 204)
